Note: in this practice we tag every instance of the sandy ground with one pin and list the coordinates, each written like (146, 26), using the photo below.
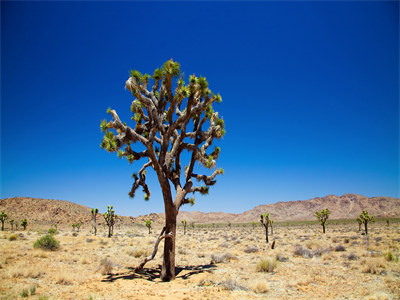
(212, 263)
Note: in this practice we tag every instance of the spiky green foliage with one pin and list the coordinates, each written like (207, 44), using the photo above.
(3, 218)
(365, 218)
(94, 213)
(148, 225)
(265, 221)
(322, 216)
(24, 223)
(110, 219)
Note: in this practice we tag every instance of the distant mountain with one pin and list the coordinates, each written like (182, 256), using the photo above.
(347, 206)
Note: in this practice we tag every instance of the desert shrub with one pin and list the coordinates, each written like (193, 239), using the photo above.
(24, 293)
(105, 266)
(231, 285)
(374, 266)
(47, 242)
(378, 239)
(347, 240)
(280, 257)
(206, 282)
(13, 237)
(266, 265)
(352, 256)
(221, 258)
(300, 251)
(52, 231)
(225, 245)
(260, 288)
(389, 256)
(74, 234)
(33, 290)
(340, 248)
(251, 249)
(89, 240)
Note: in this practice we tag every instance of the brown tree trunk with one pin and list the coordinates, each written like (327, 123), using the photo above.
(168, 267)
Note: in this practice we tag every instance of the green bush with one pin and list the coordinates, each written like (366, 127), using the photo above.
(13, 237)
(47, 242)
(52, 231)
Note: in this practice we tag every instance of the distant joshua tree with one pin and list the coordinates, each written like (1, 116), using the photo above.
(73, 226)
(110, 217)
(229, 225)
(184, 226)
(264, 220)
(192, 224)
(366, 218)
(322, 216)
(148, 225)
(12, 224)
(3, 218)
(78, 225)
(253, 224)
(272, 229)
(359, 221)
(95, 211)
(24, 223)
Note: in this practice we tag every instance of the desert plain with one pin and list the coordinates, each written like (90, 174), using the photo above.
(213, 261)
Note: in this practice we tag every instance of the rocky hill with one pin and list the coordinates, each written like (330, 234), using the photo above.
(347, 206)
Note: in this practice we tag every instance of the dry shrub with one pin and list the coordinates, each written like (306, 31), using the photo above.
(280, 257)
(266, 265)
(260, 288)
(251, 249)
(105, 266)
(22, 271)
(374, 266)
(231, 285)
(221, 258)
(65, 278)
(340, 248)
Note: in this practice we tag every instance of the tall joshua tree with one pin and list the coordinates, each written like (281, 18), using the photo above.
(322, 216)
(365, 219)
(95, 211)
(184, 223)
(148, 225)
(169, 118)
(265, 221)
(359, 221)
(3, 218)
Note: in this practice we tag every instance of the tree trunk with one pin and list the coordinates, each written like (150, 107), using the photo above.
(266, 233)
(366, 227)
(323, 228)
(95, 226)
(272, 230)
(168, 267)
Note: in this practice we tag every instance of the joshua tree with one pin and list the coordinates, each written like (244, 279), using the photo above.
(184, 226)
(110, 217)
(387, 222)
(264, 220)
(78, 225)
(73, 227)
(148, 225)
(192, 224)
(95, 211)
(253, 224)
(12, 224)
(168, 118)
(359, 221)
(365, 219)
(272, 229)
(24, 223)
(3, 218)
(322, 216)
(229, 225)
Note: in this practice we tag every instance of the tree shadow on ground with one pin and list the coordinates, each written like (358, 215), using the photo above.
(152, 274)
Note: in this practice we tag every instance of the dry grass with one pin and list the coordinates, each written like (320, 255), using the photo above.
(304, 264)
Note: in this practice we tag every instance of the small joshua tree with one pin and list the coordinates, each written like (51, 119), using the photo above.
(3, 218)
(148, 225)
(229, 225)
(253, 224)
(110, 217)
(24, 223)
(95, 211)
(78, 226)
(184, 226)
(322, 216)
(73, 227)
(272, 229)
(365, 219)
(359, 221)
(12, 224)
(264, 220)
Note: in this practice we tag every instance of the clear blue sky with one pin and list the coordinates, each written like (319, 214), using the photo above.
(310, 96)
